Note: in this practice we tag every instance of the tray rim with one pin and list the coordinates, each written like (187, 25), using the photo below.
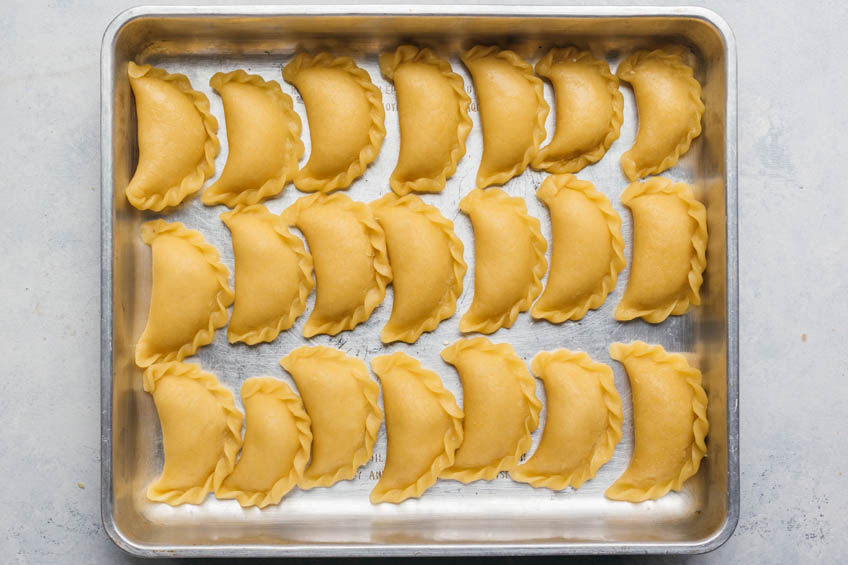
(397, 550)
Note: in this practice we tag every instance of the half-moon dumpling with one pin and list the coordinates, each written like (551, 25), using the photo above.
(588, 250)
(201, 431)
(423, 428)
(341, 401)
(177, 138)
(433, 115)
(346, 119)
(500, 405)
(427, 266)
(190, 294)
(276, 444)
(512, 112)
(669, 250)
(669, 422)
(588, 110)
(273, 275)
(509, 260)
(583, 423)
(349, 251)
(668, 99)
(263, 136)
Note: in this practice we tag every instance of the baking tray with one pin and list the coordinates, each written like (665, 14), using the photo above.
(485, 518)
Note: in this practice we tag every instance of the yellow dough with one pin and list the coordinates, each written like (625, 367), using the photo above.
(433, 115)
(349, 251)
(669, 250)
(346, 119)
(273, 275)
(201, 432)
(423, 428)
(588, 110)
(509, 260)
(500, 405)
(276, 444)
(670, 109)
(263, 136)
(341, 401)
(190, 294)
(427, 266)
(669, 421)
(583, 423)
(177, 138)
(512, 112)
(588, 250)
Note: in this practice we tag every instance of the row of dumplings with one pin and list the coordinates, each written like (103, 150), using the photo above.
(357, 249)
(325, 437)
(178, 144)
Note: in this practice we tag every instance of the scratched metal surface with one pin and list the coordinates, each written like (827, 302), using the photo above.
(450, 517)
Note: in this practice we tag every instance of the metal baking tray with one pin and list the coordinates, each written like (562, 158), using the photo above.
(485, 518)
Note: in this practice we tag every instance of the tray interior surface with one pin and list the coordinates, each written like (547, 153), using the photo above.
(500, 513)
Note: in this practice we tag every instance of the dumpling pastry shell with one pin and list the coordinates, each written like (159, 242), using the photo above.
(512, 112)
(346, 119)
(668, 99)
(427, 266)
(190, 294)
(341, 401)
(500, 405)
(276, 446)
(433, 115)
(583, 423)
(273, 275)
(349, 254)
(177, 138)
(263, 138)
(588, 110)
(588, 250)
(669, 420)
(669, 250)
(509, 260)
(423, 428)
(201, 432)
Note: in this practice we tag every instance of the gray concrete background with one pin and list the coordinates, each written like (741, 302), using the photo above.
(793, 166)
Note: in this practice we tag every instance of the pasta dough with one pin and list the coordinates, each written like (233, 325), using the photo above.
(263, 136)
(346, 119)
(341, 401)
(190, 294)
(177, 139)
(588, 250)
(433, 115)
(669, 250)
(277, 439)
(349, 251)
(588, 110)
(273, 275)
(509, 260)
(583, 423)
(201, 432)
(670, 109)
(512, 112)
(669, 420)
(423, 428)
(500, 405)
(427, 266)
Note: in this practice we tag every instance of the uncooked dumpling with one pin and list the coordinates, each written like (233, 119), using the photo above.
(263, 138)
(190, 294)
(346, 119)
(433, 115)
(512, 112)
(177, 138)
(423, 428)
